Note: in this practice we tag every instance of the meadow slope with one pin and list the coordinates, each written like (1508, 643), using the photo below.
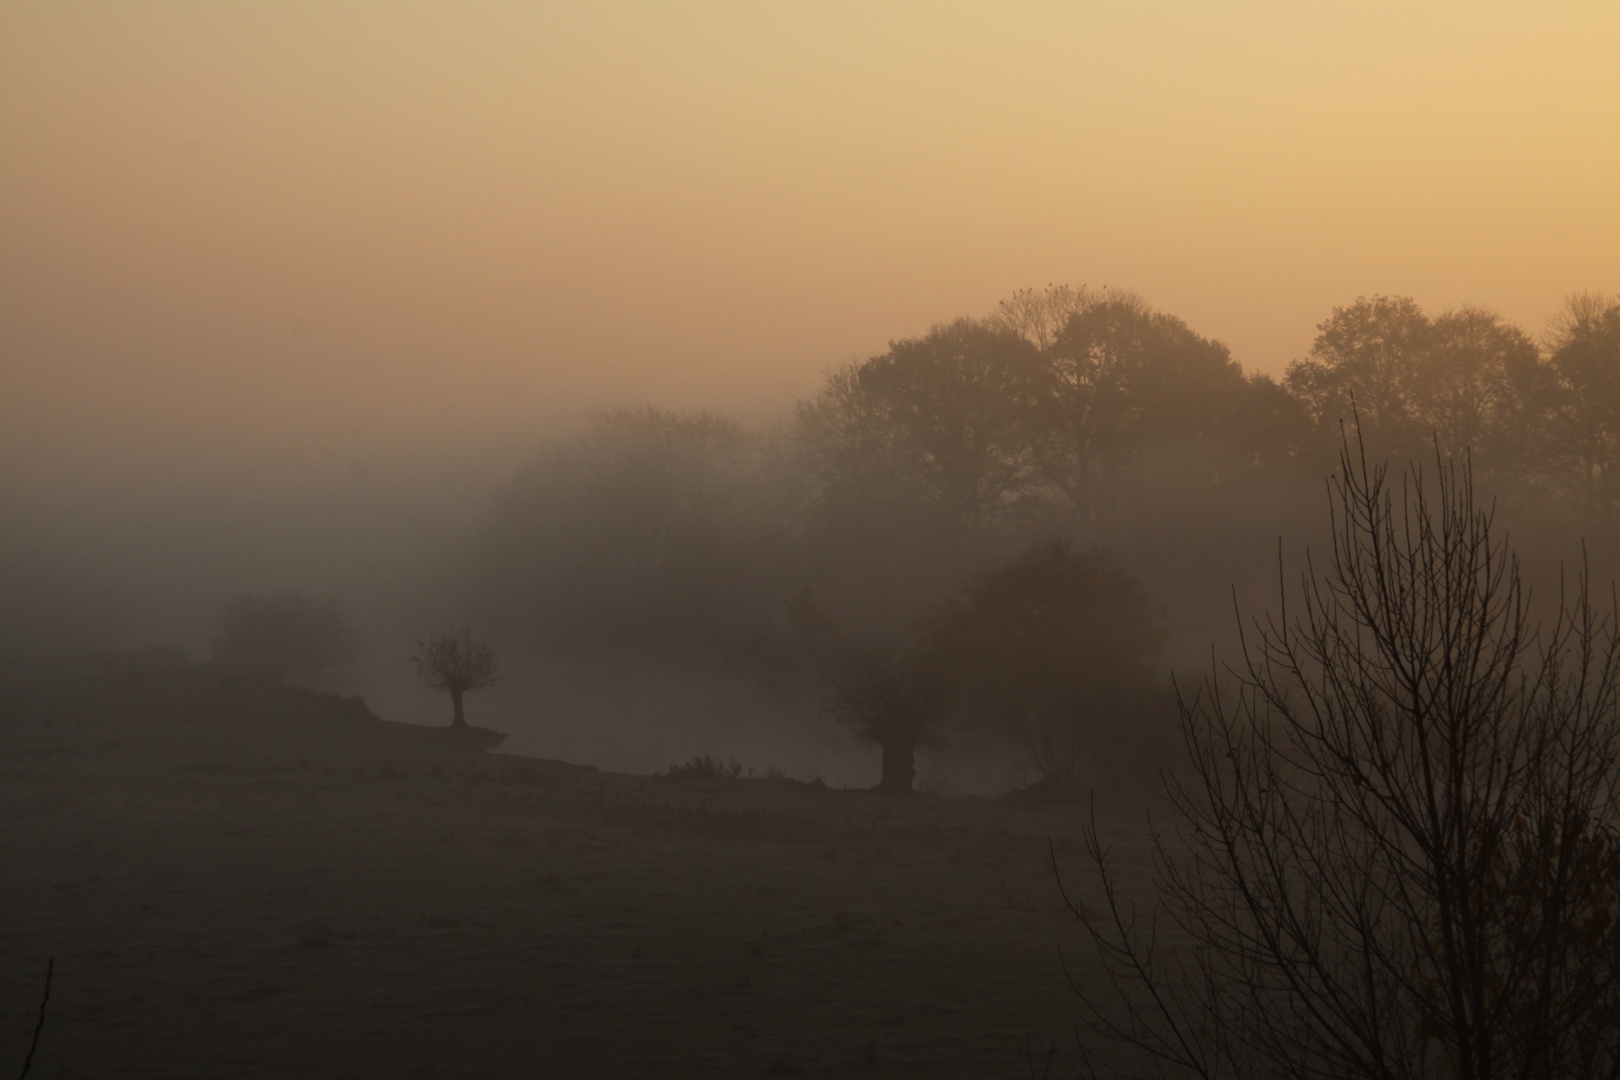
(250, 882)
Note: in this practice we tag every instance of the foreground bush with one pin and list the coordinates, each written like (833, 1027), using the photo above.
(1398, 852)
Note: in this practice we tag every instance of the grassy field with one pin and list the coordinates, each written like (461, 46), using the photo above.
(240, 881)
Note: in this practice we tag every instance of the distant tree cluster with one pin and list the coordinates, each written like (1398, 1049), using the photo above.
(950, 457)
(649, 529)
(1074, 400)
(280, 637)
(1546, 417)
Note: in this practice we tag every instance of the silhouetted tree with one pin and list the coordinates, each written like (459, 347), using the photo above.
(1360, 363)
(1129, 397)
(894, 700)
(1464, 380)
(453, 662)
(934, 419)
(1467, 391)
(1056, 648)
(281, 636)
(1398, 854)
(1584, 341)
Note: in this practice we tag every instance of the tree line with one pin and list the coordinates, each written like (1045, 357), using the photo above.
(1084, 416)
(1080, 399)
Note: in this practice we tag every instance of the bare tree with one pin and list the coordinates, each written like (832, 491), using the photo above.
(1398, 854)
(453, 662)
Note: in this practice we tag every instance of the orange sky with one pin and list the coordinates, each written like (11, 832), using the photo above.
(322, 232)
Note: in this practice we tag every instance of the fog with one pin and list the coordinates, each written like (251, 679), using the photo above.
(820, 451)
(646, 574)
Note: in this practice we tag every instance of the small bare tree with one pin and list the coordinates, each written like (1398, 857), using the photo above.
(452, 661)
(1400, 844)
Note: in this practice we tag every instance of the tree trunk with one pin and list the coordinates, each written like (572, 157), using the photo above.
(899, 767)
(460, 719)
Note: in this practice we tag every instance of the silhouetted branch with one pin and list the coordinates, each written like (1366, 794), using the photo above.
(39, 1026)
(1399, 852)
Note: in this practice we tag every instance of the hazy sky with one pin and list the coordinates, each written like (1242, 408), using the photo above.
(320, 232)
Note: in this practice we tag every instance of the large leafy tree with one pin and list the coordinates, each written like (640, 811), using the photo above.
(1056, 649)
(1128, 396)
(936, 421)
(859, 450)
(1474, 387)
(1360, 365)
(1462, 380)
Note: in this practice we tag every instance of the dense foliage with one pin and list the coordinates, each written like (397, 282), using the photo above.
(1056, 650)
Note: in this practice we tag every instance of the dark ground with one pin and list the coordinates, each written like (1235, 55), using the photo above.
(240, 881)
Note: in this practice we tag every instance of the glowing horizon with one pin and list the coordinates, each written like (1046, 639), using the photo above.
(306, 230)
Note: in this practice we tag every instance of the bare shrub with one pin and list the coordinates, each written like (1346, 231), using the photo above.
(704, 768)
(1398, 845)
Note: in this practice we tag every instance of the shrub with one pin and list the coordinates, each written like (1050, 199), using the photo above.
(704, 768)
(1398, 846)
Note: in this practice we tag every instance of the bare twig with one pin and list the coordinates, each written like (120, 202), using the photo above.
(39, 1025)
(1399, 852)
